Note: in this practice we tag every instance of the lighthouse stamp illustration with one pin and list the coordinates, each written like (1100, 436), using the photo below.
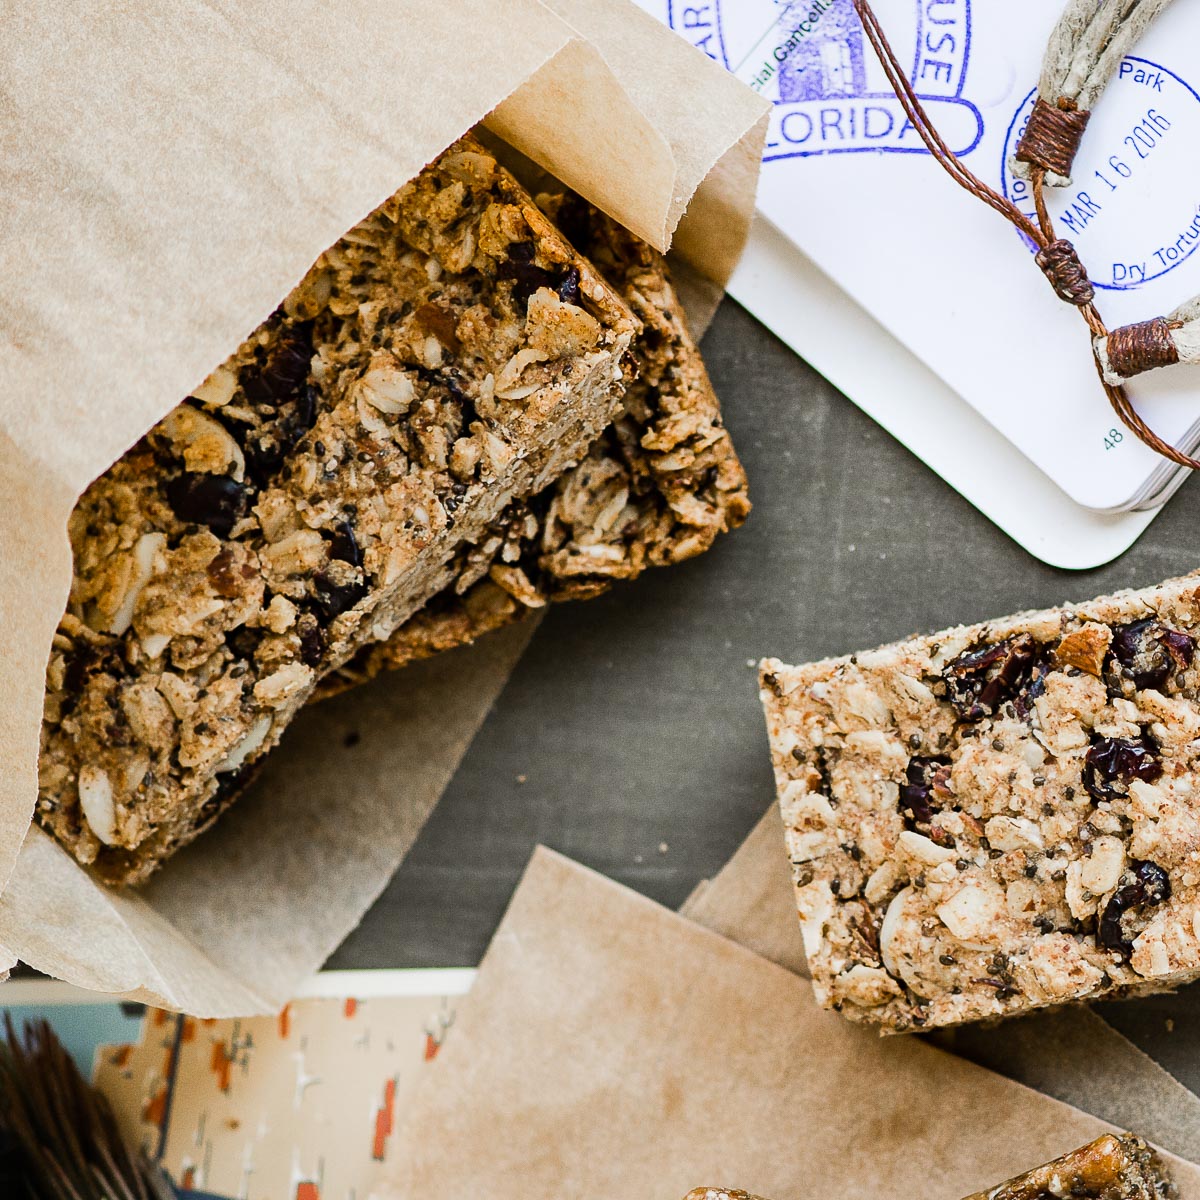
(830, 97)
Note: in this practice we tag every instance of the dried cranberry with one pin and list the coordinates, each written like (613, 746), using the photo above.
(290, 360)
(528, 277)
(979, 681)
(227, 581)
(568, 289)
(303, 416)
(1155, 881)
(217, 501)
(243, 641)
(343, 545)
(85, 660)
(1147, 884)
(284, 371)
(312, 639)
(331, 599)
(575, 220)
(925, 779)
(266, 448)
(1110, 761)
(1151, 652)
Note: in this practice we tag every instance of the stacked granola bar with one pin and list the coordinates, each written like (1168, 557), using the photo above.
(998, 817)
(451, 354)
(656, 488)
(402, 457)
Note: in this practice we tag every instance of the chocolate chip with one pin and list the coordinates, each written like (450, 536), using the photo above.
(216, 501)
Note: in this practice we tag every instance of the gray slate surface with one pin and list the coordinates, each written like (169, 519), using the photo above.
(634, 719)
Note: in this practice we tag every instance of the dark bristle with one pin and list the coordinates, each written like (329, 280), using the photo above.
(58, 1136)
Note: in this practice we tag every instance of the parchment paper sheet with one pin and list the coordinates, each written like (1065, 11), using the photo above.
(168, 172)
(1069, 1053)
(612, 1049)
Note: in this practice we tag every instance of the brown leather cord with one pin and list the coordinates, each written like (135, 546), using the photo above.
(1145, 346)
(1053, 136)
(1056, 257)
(1060, 264)
(1039, 204)
(919, 120)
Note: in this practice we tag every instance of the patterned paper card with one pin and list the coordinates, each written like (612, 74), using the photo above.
(297, 1107)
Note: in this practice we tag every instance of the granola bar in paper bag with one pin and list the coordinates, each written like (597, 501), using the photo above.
(170, 174)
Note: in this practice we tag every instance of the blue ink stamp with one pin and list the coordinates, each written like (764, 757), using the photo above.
(830, 96)
(1133, 207)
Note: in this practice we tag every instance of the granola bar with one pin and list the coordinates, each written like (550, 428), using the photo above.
(1113, 1167)
(657, 488)
(703, 1193)
(997, 817)
(450, 354)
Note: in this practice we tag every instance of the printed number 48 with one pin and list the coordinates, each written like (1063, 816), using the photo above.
(1114, 437)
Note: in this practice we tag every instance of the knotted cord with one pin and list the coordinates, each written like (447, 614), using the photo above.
(1085, 50)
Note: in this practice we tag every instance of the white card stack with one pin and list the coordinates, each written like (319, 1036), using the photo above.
(847, 181)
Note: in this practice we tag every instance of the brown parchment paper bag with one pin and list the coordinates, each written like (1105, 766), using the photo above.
(169, 172)
(610, 1048)
(1070, 1053)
